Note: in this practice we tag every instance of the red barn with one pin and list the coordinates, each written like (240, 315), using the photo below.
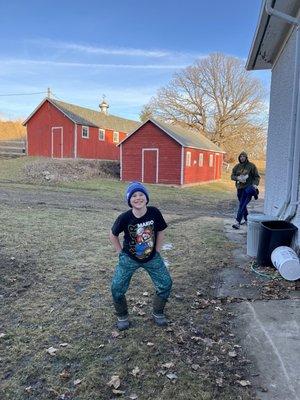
(62, 130)
(160, 153)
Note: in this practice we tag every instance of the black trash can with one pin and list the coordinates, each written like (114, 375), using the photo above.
(273, 234)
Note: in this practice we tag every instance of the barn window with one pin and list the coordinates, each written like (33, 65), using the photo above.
(85, 132)
(201, 160)
(211, 160)
(101, 134)
(188, 158)
(116, 137)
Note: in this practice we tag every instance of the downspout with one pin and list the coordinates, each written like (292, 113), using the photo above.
(289, 207)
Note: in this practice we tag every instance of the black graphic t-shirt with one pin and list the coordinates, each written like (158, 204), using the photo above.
(139, 233)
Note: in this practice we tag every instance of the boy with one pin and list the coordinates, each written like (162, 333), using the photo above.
(143, 228)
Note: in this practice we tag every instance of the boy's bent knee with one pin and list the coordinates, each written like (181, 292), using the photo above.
(165, 291)
(117, 291)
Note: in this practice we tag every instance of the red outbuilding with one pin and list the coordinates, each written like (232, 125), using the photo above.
(160, 153)
(62, 130)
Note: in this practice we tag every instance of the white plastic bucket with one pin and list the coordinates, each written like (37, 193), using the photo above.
(287, 263)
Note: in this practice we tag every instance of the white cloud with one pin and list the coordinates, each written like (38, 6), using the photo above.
(28, 62)
(112, 51)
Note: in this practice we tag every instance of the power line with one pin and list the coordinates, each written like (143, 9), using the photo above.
(21, 94)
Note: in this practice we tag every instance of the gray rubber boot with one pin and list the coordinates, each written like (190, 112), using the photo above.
(122, 314)
(123, 323)
(158, 311)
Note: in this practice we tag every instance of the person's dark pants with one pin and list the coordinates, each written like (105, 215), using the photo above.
(126, 267)
(244, 195)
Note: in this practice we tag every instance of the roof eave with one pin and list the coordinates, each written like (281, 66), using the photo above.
(262, 24)
(168, 133)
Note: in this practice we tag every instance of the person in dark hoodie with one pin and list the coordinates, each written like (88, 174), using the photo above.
(246, 177)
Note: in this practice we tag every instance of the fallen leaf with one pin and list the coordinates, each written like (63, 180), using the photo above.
(53, 392)
(232, 353)
(28, 389)
(138, 311)
(135, 371)
(133, 397)
(64, 344)
(77, 382)
(146, 294)
(101, 346)
(115, 334)
(65, 375)
(115, 391)
(244, 383)
(219, 382)
(114, 382)
(52, 351)
(179, 296)
(161, 372)
(172, 376)
(168, 365)
(195, 367)
(150, 344)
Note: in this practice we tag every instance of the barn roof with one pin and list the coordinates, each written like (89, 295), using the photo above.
(185, 137)
(86, 116)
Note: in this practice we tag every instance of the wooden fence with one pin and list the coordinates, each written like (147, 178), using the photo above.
(12, 148)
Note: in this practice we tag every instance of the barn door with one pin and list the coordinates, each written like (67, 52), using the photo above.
(57, 142)
(150, 165)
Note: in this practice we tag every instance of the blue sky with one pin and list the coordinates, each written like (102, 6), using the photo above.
(125, 49)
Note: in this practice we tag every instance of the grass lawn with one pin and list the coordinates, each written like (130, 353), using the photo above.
(56, 266)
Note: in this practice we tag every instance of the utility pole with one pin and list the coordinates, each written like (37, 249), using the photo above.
(48, 93)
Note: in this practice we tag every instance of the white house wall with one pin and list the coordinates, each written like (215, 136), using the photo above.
(279, 129)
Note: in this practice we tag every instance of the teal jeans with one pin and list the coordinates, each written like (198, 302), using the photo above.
(126, 267)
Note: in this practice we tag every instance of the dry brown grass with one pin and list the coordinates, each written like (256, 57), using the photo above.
(10, 130)
(56, 267)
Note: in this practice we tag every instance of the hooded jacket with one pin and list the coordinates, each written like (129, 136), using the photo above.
(247, 170)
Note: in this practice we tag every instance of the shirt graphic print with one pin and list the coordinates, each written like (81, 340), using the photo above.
(139, 233)
(142, 239)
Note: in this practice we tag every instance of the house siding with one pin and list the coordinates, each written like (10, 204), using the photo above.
(279, 128)
(196, 173)
(39, 128)
(279, 131)
(150, 136)
(39, 136)
(94, 148)
(147, 137)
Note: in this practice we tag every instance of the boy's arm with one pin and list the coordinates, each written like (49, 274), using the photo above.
(159, 240)
(116, 242)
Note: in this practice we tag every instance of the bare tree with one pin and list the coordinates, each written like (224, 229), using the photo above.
(146, 113)
(216, 95)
